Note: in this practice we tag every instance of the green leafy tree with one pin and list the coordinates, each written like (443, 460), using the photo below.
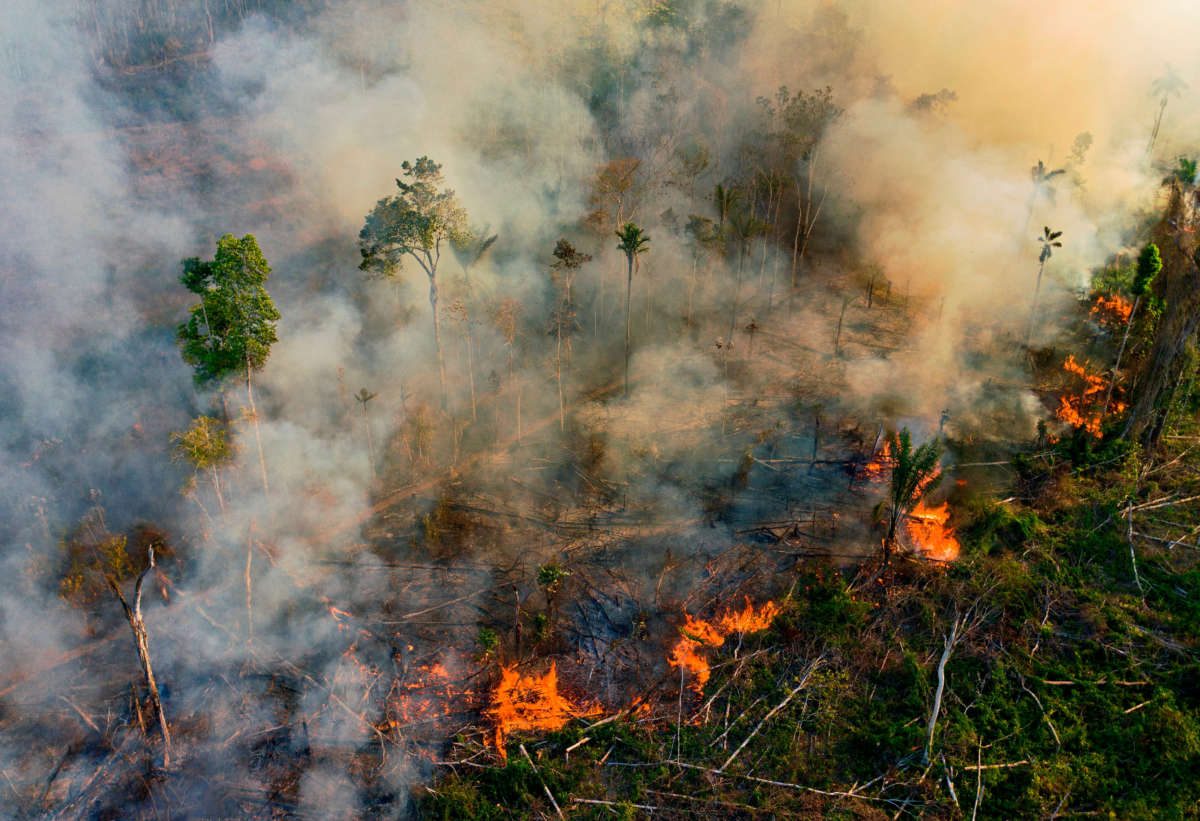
(415, 223)
(1049, 241)
(206, 447)
(567, 262)
(231, 330)
(914, 475)
(1148, 265)
(633, 242)
(1185, 171)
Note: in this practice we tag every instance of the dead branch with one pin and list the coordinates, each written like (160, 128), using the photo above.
(941, 687)
(803, 681)
(549, 794)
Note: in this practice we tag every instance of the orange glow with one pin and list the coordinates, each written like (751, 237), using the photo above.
(927, 531)
(1111, 310)
(879, 468)
(697, 634)
(427, 699)
(530, 703)
(1086, 410)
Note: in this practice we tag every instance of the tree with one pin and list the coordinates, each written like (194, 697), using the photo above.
(415, 223)
(633, 243)
(1167, 86)
(232, 328)
(567, 262)
(1049, 242)
(140, 638)
(914, 475)
(506, 316)
(1148, 265)
(364, 396)
(1041, 175)
(468, 251)
(205, 446)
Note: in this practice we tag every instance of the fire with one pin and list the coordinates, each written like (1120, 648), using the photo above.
(1085, 410)
(926, 529)
(429, 698)
(697, 634)
(1111, 310)
(530, 702)
(880, 465)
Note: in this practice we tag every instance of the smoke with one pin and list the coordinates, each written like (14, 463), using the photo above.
(291, 124)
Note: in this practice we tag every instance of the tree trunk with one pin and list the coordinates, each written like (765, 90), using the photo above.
(562, 413)
(262, 461)
(217, 487)
(1037, 289)
(138, 625)
(370, 444)
(471, 364)
(437, 335)
(628, 297)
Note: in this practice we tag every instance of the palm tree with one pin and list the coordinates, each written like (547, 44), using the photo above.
(364, 396)
(1148, 265)
(1041, 176)
(1048, 239)
(914, 475)
(633, 242)
(1164, 88)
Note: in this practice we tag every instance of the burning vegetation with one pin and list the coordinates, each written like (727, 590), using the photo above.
(530, 703)
(698, 636)
(929, 534)
(1088, 408)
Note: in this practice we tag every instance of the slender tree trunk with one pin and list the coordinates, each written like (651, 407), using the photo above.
(628, 297)
(262, 460)
(370, 444)
(471, 365)
(138, 625)
(562, 412)
(1037, 289)
(217, 487)
(1162, 107)
(692, 288)
(737, 289)
(1120, 352)
(837, 339)
(437, 335)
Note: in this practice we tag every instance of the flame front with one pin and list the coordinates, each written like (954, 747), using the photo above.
(1112, 310)
(1086, 410)
(530, 703)
(879, 468)
(926, 529)
(687, 654)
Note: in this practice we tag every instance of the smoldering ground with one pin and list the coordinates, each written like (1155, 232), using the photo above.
(290, 125)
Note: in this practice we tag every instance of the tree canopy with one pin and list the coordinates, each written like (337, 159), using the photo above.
(232, 328)
(414, 222)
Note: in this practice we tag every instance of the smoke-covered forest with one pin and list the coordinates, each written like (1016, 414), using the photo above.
(635, 408)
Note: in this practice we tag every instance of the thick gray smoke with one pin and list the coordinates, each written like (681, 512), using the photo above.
(289, 123)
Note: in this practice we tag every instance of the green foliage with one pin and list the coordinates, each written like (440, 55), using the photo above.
(550, 578)
(1148, 265)
(487, 640)
(633, 240)
(914, 475)
(204, 445)
(415, 223)
(90, 556)
(1185, 171)
(232, 328)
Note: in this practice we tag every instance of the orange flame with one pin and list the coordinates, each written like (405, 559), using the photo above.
(926, 529)
(880, 465)
(1085, 410)
(1112, 310)
(697, 633)
(530, 703)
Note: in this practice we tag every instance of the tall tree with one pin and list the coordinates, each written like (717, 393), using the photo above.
(469, 250)
(415, 223)
(1164, 87)
(363, 397)
(914, 475)
(567, 262)
(232, 328)
(633, 243)
(1049, 241)
(1148, 265)
(1041, 176)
